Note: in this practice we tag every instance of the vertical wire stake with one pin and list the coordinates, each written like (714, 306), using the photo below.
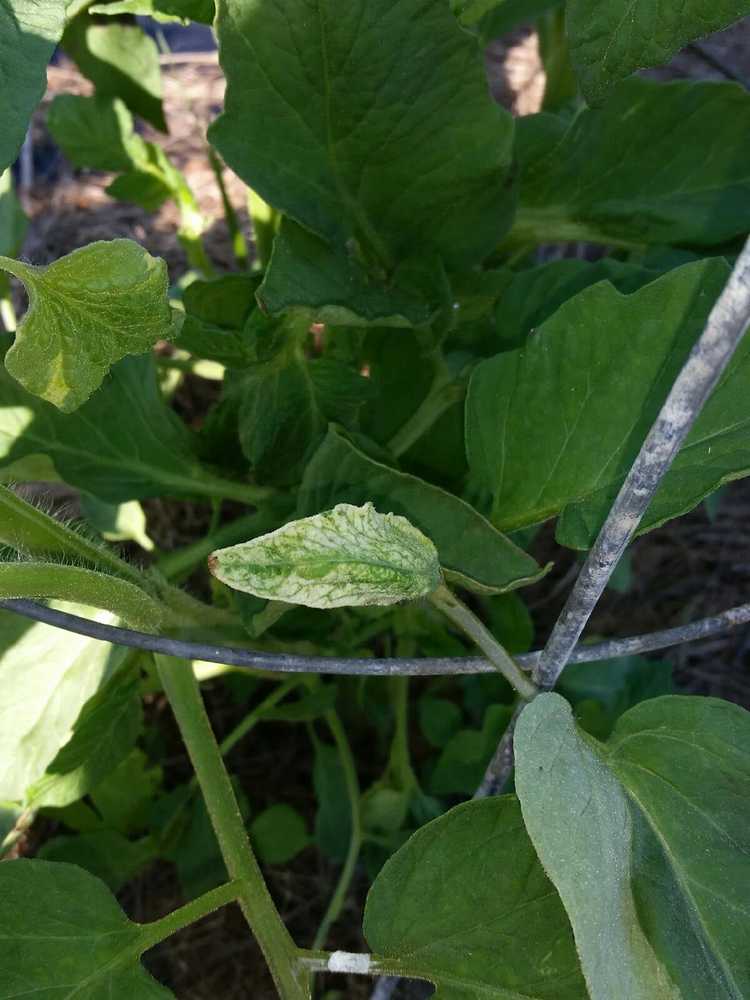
(726, 325)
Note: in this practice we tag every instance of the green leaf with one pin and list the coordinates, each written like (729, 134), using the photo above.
(472, 552)
(627, 175)
(125, 798)
(647, 839)
(278, 834)
(615, 686)
(121, 61)
(285, 401)
(305, 273)
(533, 295)
(46, 679)
(124, 522)
(103, 734)
(95, 133)
(506, 15)
(465, 756)
(389, 159)
(87, 311)
(28, 36)
(556, 426)
(439, 719)
(64, 931)
(104, 853)
(215, 313)
(610, 39)
(339, 558)
(466, 904)
(123, 444)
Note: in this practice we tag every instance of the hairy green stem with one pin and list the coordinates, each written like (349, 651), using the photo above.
(85, 586)
(467, 621)
(176, 565)
(254, 898)
(191, 912)
(28, 529)
(338, 898)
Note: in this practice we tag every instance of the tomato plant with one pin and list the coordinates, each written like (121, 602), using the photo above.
(404, 393)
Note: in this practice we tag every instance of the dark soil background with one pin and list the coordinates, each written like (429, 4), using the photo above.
(691, 567)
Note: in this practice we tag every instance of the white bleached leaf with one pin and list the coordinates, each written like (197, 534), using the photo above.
(345, 556)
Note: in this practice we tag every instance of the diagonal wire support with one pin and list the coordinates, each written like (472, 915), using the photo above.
(705, 365)
(726, 325)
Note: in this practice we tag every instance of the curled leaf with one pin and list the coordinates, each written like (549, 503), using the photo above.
(345, 556)
(87, 311)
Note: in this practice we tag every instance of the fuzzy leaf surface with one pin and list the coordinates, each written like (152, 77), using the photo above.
(87, 311)
(466, 905)
(627, 173)
(610, 39)
(28, 36)
(472, 552)
(410, 156)
(65, 935)
(556, 425)
(646, 838)
(342, 557)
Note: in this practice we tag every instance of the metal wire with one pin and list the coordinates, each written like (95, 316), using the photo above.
(283, 663)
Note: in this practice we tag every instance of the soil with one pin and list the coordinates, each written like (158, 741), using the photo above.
(691, 567)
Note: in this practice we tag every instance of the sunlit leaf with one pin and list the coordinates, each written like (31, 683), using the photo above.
(86, 311)
(411, 156)
(345, 556)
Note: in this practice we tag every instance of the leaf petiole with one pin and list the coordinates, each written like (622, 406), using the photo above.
(462, 616)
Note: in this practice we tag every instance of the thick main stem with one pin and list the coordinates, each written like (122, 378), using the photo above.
(708, 359)
(260, 912)
(467, 621)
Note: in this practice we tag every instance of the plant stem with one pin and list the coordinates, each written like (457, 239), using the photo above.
(709, 357)
(260, 912)
(442, 395)
(253, 717)
(87, 586)
(500, 768)
(196, 909)
(467, 621)
(355, 841)
(239, 245)
(176, 565)
(26, 528)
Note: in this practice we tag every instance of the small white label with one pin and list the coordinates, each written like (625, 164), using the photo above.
(349, 961)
